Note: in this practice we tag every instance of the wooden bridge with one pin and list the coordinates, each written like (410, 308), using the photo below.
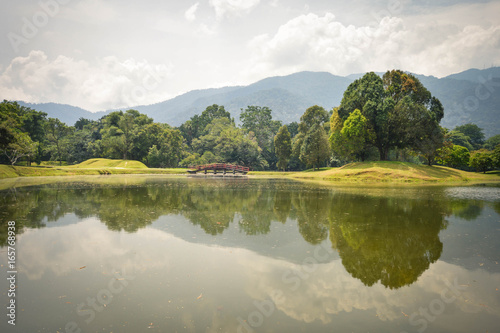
(219, 167)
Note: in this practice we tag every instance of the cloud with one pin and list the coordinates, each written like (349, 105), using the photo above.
(330, 290)
(107, 83)
(312, 42)
(225, 8)
(190, 14)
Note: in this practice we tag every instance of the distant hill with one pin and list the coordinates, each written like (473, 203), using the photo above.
(66, 113)
(469, 96)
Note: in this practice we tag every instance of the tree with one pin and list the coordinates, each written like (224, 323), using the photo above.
(293, 128)
(259, 120)
(9, 123)
(315, 115)
(197, 125)
(475, 134)
(460, 139)
(120, 131)
(283, 147)
(492, 142)
(496, 156)
(357, 135)
(229, 144)
(481, 160)
(455, 157)
(314, 149)
(57, 131)
(20, 146)
(398, 109)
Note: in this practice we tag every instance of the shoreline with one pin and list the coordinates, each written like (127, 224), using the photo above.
(399, 174)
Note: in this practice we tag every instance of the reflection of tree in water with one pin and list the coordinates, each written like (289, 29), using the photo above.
(387, 239)
(467, 209)
(213, 208)
(312, 209)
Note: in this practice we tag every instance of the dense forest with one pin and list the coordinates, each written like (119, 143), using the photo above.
(393, 117)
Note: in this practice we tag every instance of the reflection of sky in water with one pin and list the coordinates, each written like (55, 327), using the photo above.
(488, 193)
(186, 279)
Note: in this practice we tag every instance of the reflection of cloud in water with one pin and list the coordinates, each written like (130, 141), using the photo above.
(80, 244)
(330, 290)
(474, 193)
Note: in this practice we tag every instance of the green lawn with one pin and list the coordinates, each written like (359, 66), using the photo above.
(362, 172)
(97, 166)
(387, 172)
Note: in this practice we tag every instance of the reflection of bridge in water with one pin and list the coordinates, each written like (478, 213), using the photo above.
(219, 167)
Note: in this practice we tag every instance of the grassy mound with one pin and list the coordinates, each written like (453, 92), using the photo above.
(97, 163)
(385, 171)
(95, 166)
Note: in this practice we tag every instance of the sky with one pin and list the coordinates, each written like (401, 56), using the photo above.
(101, 55)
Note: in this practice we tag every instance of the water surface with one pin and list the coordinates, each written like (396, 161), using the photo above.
(165, 254)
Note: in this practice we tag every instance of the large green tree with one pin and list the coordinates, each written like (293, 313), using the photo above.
(259, 120)
(313, 118)
(119, 132)
(492, 142)
(400, 111)
(481, 160)
(475, 134)
(283, 147)
(229, 144)
(314, 150)
(455, 156)
(196, 126)
(57, 134)
(357, 135)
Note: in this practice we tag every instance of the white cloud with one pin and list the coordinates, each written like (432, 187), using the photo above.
(108, 83)
(190, 14)
(225, 8)
(312, 42)
(330, 290)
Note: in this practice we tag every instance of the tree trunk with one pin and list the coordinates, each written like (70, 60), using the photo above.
(383, 153)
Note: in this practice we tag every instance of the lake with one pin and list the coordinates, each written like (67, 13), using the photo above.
(180, 254)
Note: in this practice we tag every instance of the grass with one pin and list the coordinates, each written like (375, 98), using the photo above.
(97, 166)
(390, 172)
(98, 163)
(354, 173)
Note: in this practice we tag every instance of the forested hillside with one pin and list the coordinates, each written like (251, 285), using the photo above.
(472, 96)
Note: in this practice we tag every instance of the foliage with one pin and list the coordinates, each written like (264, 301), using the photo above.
(259, 120)
(20, 146)
(310, 145)
(314, 149)
(230, 144)
(196, 126)
(474, 133)
(492, 142)
(356, 135)
(454, 156)
(400, 111)
(481, 160)
(496, 156)
(283, 147)
(460, 139)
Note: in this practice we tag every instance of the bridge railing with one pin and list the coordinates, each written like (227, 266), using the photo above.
(220, 166)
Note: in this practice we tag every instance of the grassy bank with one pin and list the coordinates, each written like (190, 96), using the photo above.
(97, 166)
(365, 172)
(388, 172)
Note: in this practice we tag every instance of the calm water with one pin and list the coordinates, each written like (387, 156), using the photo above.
(160, 254)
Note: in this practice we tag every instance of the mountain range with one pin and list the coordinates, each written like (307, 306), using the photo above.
(472, 96)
